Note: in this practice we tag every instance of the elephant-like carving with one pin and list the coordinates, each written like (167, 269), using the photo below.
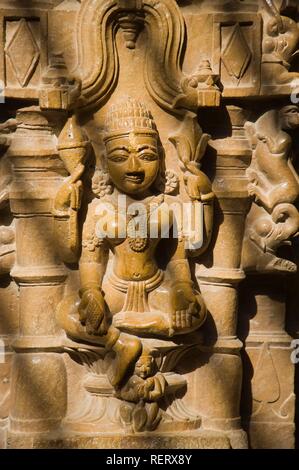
(274, 185)
(281, 39)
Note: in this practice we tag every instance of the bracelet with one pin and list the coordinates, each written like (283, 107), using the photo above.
(90, 286)
(177, 282)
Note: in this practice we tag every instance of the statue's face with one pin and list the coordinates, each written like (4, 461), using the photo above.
(144, 367)
(290, 117)
(133, 162)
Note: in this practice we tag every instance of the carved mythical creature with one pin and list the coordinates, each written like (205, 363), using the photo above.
(136, 296)
(274, 184)
(280, 42)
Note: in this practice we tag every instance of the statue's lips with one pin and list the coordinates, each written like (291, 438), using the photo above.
(135, 177)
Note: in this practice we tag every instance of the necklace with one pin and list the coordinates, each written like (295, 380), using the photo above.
(138, 243)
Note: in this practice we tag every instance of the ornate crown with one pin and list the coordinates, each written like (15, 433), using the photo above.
(128, 116)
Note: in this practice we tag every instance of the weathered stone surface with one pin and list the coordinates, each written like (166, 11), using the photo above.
(148, 223)
(198, 440)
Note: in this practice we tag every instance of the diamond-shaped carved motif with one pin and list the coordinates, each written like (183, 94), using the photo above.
(23, 52)
(236, 55)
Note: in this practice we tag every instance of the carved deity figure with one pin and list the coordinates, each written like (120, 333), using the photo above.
(126, 291)
(274, 184)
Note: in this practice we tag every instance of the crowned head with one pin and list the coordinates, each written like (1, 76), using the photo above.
(131, 141)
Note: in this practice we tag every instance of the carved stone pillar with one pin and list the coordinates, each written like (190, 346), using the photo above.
(219, 278)
(268, 403)
(273, 220)
(39, 376)
(8, 288)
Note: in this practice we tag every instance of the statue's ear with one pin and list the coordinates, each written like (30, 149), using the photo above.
(251, 134)
(101, 184)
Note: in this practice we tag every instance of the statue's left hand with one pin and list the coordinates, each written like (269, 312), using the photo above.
(198, 186)
(184, 305)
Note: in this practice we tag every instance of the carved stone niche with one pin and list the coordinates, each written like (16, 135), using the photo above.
(147, 173)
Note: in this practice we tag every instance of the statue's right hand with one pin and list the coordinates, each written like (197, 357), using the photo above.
(93, 312)
(69, 196)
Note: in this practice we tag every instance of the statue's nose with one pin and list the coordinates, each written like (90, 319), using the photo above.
(134, 163)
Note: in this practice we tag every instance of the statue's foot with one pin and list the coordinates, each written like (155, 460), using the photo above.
(280, 265)
(270, 263)
(156, 323)
(142, 323)
(127, 350)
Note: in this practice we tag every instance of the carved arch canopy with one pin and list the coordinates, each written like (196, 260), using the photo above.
(98, 64)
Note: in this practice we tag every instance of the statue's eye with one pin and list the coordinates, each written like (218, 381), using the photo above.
(148, 157)
(118, 158)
